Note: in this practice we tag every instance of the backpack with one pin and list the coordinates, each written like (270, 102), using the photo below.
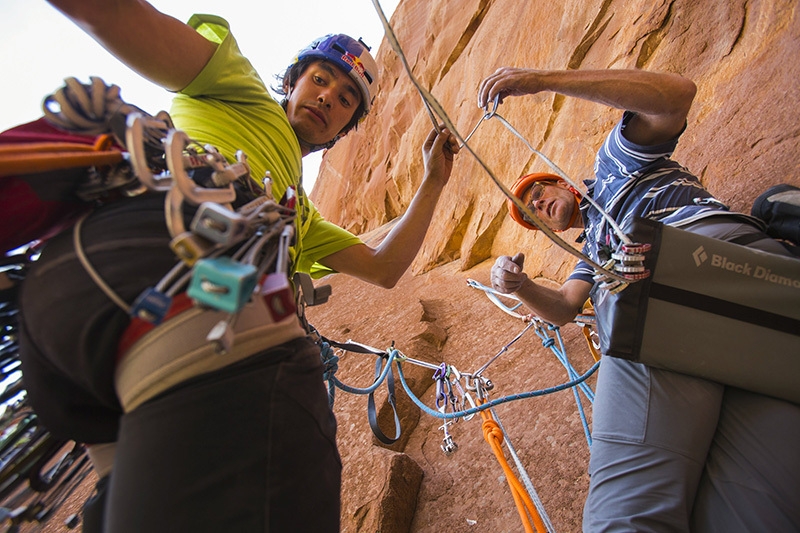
(779, 207)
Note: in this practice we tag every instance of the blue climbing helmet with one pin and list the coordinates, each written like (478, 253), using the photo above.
(351, 56)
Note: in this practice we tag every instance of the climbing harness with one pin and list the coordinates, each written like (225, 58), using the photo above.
(232, 278)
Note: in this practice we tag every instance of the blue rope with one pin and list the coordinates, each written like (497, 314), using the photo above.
(492, 403)
(331, 362)
(577, 382)
(331, 379)
(560, 353)
(575, 393)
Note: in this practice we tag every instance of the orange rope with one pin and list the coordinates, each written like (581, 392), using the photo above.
(588, 309)
(494, 436)
(587, 332)
(41, 157)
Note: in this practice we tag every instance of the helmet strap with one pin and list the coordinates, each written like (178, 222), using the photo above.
(576, 211)
(318, 147)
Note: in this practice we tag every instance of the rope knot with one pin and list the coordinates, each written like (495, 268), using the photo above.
(549, 343)
(330, 361)
(492, 432)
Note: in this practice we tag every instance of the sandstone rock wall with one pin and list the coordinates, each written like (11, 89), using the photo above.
(742, 133)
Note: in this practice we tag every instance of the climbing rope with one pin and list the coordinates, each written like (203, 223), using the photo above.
(560, 353)
(399, 358)
(455, 401)
(554, 343)
(523, 474)
(529, 506)
(494, 436)
(450, 408)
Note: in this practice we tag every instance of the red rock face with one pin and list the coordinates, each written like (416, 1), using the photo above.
(741, 137)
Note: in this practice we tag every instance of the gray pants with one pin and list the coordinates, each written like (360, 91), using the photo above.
(673, 452)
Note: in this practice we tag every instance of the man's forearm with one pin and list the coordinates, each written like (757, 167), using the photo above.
(401, 245)
(385, 264)
(660, 100)
(155, 45)
(650, 93)
(557, 306)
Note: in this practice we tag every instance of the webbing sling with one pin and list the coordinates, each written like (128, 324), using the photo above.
(372, 414)
(711, 309)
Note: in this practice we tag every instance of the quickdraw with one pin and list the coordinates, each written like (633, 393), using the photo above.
(446, 398)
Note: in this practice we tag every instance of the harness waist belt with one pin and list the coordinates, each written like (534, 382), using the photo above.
(177, 350)
(711, 309)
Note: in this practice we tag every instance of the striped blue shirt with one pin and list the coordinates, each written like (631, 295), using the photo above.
(639, 181)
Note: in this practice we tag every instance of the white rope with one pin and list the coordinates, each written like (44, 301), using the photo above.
(76, 240)
(523, 474)
(494, 296)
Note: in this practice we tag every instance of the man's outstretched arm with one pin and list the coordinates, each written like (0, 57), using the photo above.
(155, 45)
(660, 100)
(557, 306)
(385, 264)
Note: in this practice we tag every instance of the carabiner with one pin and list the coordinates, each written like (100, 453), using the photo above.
(177, 141)
(496, 103)
(134, 139)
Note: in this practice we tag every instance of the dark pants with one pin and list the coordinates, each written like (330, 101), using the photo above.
(250, 448)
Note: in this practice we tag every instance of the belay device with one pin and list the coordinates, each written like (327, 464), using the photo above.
(711, 309)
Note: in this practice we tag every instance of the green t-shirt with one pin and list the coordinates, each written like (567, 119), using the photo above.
(228, 106)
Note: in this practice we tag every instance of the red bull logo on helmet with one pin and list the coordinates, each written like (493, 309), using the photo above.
(354, 62)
